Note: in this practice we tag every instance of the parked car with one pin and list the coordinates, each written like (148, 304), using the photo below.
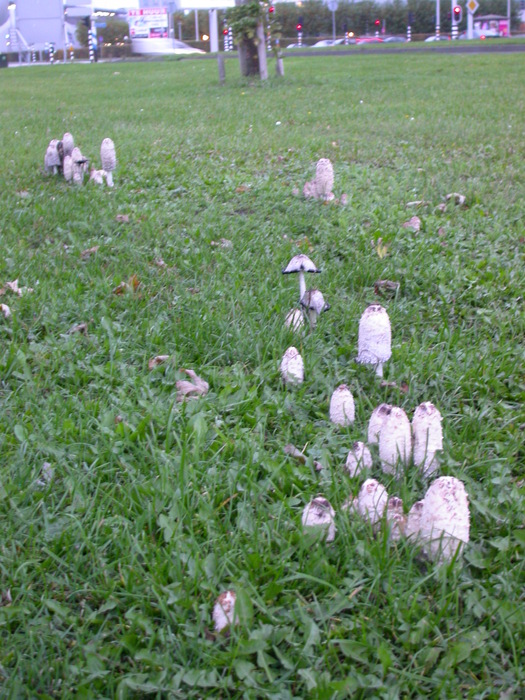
(395, 39)
(368, 40)
(441, 37)
(322, 43)
(481, 34)
(296, 46)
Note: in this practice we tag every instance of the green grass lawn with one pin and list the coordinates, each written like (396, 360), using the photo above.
(123, 514)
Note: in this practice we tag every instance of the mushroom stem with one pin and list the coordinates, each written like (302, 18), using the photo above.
(302, 284)
(109, 178)
(312, 317)
(379, 369)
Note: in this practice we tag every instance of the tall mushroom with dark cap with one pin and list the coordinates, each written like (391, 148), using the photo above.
(375, 338)
(314, 303)
(300, 264)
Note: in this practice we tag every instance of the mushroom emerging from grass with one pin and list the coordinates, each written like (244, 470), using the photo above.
(395, 441)
(109, 159)
(358, 459)
(395, 518)
(320, 514)
(68, 144)
(80, 166)
(294, 319)
(324, 179)
(52, 159)
(445, 520)
(314, 303)
(374, 345)
(342, 408)
(300, 264)
(96, 176)
(68, 168)
(292, 366)
(413, 524)
(370, 502)
(428, 437)
(224, 611)
(376, 422)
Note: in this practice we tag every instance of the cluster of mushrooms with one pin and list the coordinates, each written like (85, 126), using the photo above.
(64, 158)
(439, 524)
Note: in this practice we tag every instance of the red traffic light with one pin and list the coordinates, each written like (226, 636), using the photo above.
(377, 22)
(299, 27)
(225, 31)
(457, 13)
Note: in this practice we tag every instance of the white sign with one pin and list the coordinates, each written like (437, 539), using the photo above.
(148, 23)
(332, 5)
(472, 6)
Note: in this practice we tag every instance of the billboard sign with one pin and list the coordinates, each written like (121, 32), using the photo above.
(148, 23)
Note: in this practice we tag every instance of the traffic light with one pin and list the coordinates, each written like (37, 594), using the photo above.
(457, 14)
(86, 21)
(299, 25)
(225, 31)
(377, 22)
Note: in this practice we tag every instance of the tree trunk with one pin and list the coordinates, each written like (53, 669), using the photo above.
(248, 57)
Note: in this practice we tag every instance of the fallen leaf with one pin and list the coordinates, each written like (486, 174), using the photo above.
(382, 286)
(381, 248)
(79, 328)
(413, 223)
(192, 389)
(242, 188)
(89, 252)
(13, 287)
(158, 360)
(4, 308)
(441, 231)
(122, 218)
(222, 243)
(416, 203)
(344, 200)
(441, 207)
(159, 262)
(23, 194)
(131, 285)
(457, 197)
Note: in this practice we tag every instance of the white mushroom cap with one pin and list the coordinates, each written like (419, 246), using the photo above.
(224, 611)
(358, 459)
(372, 500)
(97, 176)
(376, 422)
(108, 155)
(68, 168)
(395, 518)
(413, 525)
(324, 178)
(374, 345)
(294, 319)
(292, 366)
(320, 514)
(109, 159)
(395, 441)
(445, 520)
(342, 408)
(68, 143)
(52, 158)
(300, 263)
(313, 300)
(428, 437)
